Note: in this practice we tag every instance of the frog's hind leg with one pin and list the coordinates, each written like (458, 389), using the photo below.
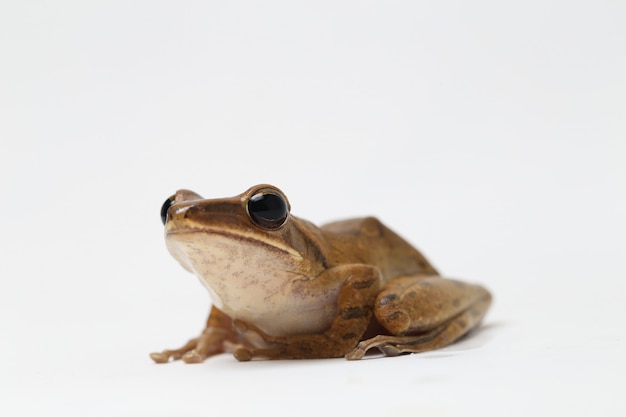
(424, 313)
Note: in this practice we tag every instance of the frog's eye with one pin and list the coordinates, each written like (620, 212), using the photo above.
(165, 207)
(268, 209)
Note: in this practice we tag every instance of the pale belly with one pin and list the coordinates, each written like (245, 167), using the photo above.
(248, 283)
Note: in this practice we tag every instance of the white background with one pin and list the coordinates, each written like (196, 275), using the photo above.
(491, 135)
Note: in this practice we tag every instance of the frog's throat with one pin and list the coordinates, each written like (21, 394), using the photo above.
(253, 238)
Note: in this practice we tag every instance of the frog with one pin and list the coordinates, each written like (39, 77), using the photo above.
(281, 287)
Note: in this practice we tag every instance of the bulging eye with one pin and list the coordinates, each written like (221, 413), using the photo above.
(268, 209)
(165, 207)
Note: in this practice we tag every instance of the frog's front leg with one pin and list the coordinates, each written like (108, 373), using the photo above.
(355, 306)
(424, 313)
(217, 334)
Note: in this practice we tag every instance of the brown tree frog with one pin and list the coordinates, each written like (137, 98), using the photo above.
(283, 288)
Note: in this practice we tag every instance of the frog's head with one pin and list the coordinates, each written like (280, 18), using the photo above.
(250, 241)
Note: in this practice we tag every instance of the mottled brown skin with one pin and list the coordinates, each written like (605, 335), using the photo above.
(301, 291)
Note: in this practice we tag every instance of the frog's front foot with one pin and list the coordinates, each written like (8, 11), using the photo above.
(213, 340)
(194, 351)
(186, 353)
(210, 343)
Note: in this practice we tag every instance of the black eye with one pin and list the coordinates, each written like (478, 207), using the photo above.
(165, 207)
(268, 209)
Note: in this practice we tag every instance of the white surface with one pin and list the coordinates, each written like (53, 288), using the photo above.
(492, 136)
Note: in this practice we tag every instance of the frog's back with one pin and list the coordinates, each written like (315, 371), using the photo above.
(367, 240)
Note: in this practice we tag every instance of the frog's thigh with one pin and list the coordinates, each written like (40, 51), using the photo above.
(425, 313)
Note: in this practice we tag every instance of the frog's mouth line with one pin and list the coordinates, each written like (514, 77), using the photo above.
(249, 237)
